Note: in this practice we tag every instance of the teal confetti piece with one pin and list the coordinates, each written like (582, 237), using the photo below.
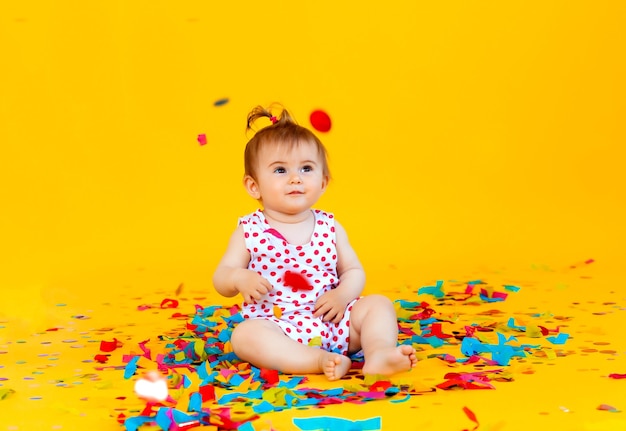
(245, 427)
(402, 400)
(511, 288)
(432, 290)
(221, 102)
(328, 423)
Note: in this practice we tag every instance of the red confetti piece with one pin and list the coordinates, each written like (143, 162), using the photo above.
(270, 376)
(470, 414)
(297, 281)
(101, 358)
(617, 376)
(437, 332)
(169, 303)
(52, 329)
(202, 139)
(109, 346)
(320, 121)
(207, 392)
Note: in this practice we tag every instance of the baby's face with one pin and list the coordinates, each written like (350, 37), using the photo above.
(290, 180)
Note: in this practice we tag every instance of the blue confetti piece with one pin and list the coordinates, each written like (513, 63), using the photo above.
(263, 407)
(488, 299)
(328, 423)
(559, 339)
(511, 324)
(186, 381)
(131, 367)
(133, 424)
(245, 427)
(195, 402)
(236, 380)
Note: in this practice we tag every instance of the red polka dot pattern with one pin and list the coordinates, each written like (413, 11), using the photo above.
(316, 261)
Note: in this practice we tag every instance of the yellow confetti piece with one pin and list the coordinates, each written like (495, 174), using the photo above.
(5, 393)
(550, 353)
(316, 341)
(179, 356)
(276, 396)
(533, 331)
(198, 348)
(104, 385)
(278, 313)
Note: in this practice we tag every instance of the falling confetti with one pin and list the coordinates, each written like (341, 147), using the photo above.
(320, 121)
(221, 102)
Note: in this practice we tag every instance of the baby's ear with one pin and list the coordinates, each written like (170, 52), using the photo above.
(251, 187)
(325, 181)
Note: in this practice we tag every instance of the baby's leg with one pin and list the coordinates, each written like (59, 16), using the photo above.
(374, 328)
(265, 345)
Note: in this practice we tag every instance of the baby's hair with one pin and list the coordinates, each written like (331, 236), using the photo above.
(283, 131)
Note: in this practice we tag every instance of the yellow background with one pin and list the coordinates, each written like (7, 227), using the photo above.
(466, 134)
(463, 132)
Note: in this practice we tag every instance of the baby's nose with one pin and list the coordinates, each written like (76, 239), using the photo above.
(295, 179)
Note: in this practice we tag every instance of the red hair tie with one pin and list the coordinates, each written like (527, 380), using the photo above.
(273, 119)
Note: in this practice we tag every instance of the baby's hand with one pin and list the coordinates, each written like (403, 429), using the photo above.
(251, 285)
(331, 305)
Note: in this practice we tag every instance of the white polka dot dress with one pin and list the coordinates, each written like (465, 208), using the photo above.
(290, 307)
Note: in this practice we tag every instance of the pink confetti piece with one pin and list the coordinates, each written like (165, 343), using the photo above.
(146, 351)
(202, 139)
(275, 233)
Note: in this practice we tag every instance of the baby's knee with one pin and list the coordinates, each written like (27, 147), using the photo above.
(242, 333)
(377, 300)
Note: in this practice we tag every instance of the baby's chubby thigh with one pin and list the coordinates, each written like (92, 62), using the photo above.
(302, 327)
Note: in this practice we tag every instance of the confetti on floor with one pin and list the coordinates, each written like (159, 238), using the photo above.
(486, 345)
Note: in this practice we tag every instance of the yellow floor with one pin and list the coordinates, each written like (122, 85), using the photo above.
(49, 337)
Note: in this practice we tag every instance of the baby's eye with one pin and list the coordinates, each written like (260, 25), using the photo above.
(307, 168)
(279, 170)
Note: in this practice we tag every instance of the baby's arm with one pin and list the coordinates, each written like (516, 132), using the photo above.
(232, 275)
(332, 305)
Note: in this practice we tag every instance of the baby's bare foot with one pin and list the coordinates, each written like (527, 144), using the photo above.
(334, 365)
(390, 361)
